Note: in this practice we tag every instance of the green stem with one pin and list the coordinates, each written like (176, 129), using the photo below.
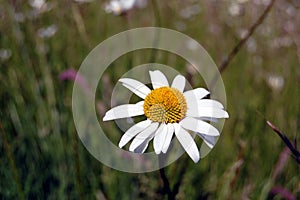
(77, 166)
(156, 13)
(250, 32)
(12, 163)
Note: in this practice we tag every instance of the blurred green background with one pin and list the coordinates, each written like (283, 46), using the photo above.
(41, 156)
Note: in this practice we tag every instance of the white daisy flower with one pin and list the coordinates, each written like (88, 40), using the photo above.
(168, 110)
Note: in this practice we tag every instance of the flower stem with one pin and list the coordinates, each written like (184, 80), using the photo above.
(77, 167)
(180, 177)
(158, 23)
(166, 185)
(240, 44)
(156, 13)
(288, 143)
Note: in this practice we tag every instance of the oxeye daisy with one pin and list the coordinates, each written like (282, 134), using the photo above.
(168, 110)
(118, 7)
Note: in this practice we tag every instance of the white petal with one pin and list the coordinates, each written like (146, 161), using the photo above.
(168, 138)
(211, 119)
(179, 83)
(196, 94)
(142, 147)
(123, 111)
(143, 136)
(187, 142)
(209, 140)
(133, 131)
(194, 111)
(199, 126)
(158, 79)
(141, 103)
(209, 103)
(136, 87)
(159, 138)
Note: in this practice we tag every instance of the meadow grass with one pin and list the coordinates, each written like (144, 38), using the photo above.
(41, 154)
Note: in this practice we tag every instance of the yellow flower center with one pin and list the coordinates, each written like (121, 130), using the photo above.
(165, 104)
